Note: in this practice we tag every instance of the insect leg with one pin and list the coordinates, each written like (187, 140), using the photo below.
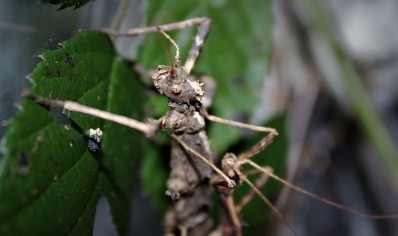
(260, 182)
(230, 182)
(147, 128)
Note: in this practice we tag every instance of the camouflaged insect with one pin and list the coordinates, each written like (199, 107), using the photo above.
(189, 180)
(176, 84)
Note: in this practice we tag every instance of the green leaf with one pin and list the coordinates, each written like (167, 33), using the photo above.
(49, 180)
(66, 3)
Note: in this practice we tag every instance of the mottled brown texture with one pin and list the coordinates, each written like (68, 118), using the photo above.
(188, 183)
(189, 180)
(189, 122)
(176, 84)
(187, 170)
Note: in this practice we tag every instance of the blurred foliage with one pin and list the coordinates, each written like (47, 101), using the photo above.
(362, 107)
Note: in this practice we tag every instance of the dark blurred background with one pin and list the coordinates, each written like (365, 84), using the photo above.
(337, 65)
(333, 75)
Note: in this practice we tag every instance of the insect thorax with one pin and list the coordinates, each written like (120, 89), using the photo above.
(190, 121)
(185, 95)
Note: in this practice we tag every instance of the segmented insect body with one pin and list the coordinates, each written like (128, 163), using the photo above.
(189, 181)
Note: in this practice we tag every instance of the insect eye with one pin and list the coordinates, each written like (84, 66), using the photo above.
(176, 89)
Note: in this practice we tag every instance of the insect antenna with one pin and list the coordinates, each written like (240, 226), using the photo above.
(166, 50)
(259, 183)
(268, 202)
(316, 197)
(177, 56)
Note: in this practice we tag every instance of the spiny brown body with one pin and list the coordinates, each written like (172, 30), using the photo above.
(189, 181)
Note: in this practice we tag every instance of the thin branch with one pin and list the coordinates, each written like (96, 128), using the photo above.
(203, 30)
(153, 29)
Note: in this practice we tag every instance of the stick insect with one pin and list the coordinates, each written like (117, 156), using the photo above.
(191, 179)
